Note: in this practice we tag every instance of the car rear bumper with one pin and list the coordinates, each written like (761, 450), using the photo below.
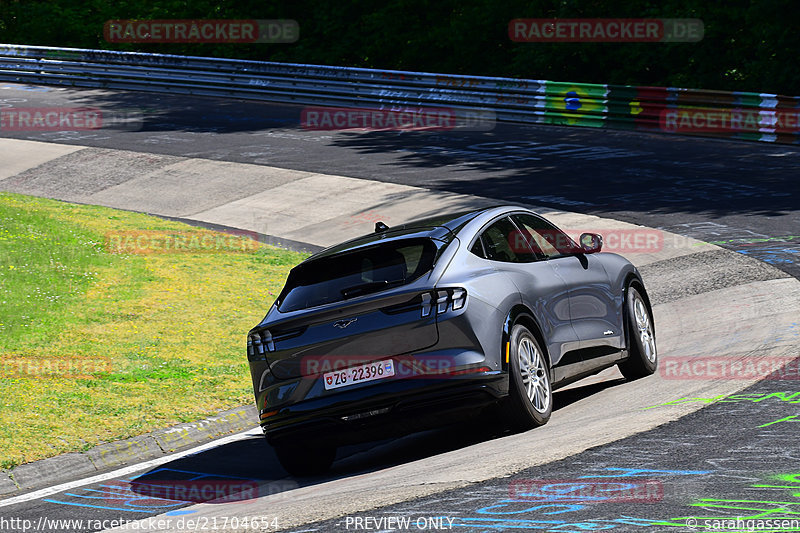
(385, 409)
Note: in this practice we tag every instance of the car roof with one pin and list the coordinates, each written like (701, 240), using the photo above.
(440, 227)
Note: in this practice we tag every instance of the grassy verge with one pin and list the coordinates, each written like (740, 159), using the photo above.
(99, 344)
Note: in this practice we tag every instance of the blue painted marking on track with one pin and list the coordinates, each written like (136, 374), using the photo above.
(75, 504)
(127, 499)
(179, 512)
(557, 508)
(773, 255)
(198, 475)
(642, 472)
(125, 504)
(509, 522)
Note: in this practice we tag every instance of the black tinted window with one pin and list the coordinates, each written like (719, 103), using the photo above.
(502, 242)
(477, 248)
(545, 239)
(353, 274)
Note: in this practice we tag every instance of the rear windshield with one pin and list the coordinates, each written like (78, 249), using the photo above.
(353, 274)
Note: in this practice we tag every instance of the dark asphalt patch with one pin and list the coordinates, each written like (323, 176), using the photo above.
(737, 457)
(689, 275)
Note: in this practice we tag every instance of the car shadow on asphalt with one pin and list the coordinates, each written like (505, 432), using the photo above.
(251, 467)
(565, 397)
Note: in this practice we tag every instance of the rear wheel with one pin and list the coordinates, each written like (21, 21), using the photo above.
(301, 460)
(643, 356)
(531, 395)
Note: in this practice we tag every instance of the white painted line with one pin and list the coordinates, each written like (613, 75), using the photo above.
(128, 469)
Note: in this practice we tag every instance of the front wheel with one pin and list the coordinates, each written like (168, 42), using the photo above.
(530, 391)
(643, 357)
(299, 460)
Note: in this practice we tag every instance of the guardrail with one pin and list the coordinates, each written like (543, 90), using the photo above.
(739, 115)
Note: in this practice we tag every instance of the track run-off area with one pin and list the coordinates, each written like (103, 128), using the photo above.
(687, 443)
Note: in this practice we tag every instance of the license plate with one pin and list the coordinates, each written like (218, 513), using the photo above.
(358, 374)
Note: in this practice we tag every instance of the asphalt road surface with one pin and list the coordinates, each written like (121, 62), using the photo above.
(741, 195)
(737, 458)
(734, 466)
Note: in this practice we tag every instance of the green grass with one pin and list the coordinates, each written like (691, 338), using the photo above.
(147, 340)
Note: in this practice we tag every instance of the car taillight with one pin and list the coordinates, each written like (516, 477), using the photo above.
(426, 304)
(459, 298)
(259, 343)
(443, 299)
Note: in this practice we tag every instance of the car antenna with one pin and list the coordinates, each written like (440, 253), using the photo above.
(380, 227)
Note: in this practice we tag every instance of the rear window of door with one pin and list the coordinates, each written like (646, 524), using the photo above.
(501, 242)
(544, 238)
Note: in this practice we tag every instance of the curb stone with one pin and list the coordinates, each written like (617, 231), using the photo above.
(69, 466)
(229, 421)
(6, 483)
(272, 240)
(123, 451)
(52, 470)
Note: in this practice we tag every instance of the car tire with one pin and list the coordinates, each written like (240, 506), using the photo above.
(642, 353)
(530, 401)
(300, 461)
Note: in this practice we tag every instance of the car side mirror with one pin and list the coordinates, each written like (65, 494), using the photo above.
(591, 242)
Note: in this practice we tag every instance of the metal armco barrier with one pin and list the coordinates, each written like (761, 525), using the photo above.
(736, 115)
